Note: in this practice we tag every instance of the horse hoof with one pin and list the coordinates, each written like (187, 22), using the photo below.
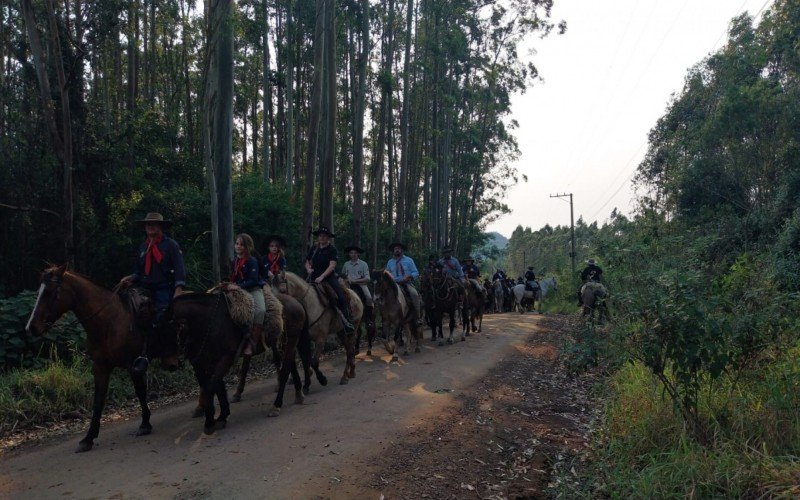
(274, 412)
(344, 380)
(144, 430)
(417, 349)
(323, 381)
(394, 358)
(441, 343)
(450, 340)
(299, 399)
(369, 352)
(198, 412)
(236, 398)
(306, 390)
(463, 338)
(466, 334)
(84, 446)
(208, 430)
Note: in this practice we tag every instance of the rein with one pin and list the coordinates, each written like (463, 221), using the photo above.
(59, 281)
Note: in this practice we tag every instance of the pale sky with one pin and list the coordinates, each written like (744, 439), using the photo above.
(607, 80)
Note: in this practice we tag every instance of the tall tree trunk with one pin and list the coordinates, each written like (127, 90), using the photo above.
(359, 106)
(313, 125)
(267, 102)
(328, 164)
(404, 126)
(218, 133)
(185, 11)
(290, 133)
(61, 139)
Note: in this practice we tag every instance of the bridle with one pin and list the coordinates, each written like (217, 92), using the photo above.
(59, 281)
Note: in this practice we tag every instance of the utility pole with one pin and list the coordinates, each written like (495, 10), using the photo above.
(571, 224)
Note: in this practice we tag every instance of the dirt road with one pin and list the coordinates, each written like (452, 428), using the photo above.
(357, 440)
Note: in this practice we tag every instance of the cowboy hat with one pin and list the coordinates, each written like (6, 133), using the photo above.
(155, 217)
(530, 268)
(323, 230)
(396, 244)
(277, 239)
(447, 250)
(468, 258)
(353, 247)
(591, 262)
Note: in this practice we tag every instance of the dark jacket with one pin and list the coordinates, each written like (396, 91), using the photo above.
(591, 273)
(471, 271)
(266, 264)
(249, 278)
(170, 272)
(530, 276)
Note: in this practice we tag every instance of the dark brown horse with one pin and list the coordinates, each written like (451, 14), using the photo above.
(112, 338)
(442, 293)
(295, 339)
(397, 313)
(212, 340)
(475, 305)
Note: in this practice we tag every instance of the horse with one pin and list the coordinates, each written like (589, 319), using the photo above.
(323, 320)
(291, 337)
(548, 284)
(475, 304)
(594, 297)
(112, 338)
(396, 313)
(212, 340)
(499, 294)
(523, 297)
(442, 295)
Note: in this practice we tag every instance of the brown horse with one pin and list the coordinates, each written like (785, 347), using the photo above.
(594, 297)
(475, 304)
(112, 338)
(322, 321)
(292, 340)
(396, 313)
(442, 298)
(212, 341)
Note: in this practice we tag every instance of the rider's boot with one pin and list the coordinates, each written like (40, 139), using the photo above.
(253, 337)
(347, 319)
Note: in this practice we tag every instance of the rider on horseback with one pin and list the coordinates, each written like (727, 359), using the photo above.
(274, 261)
(403, 270)
(159, 269)
(452, 268)
(245, 275)
(530, 280)
(321, 267)
(356, 273)
(592, 272)
(471, 271)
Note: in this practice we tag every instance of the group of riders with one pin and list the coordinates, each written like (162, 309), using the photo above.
(160, 270)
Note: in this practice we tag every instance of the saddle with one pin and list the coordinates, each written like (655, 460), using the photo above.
(140, 305)
(240, 305)
(530, 288)
(327, 296)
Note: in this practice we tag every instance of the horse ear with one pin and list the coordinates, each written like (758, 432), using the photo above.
(59, 271)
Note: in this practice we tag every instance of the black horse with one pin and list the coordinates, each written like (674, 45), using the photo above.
(212, 340)
(441, 297)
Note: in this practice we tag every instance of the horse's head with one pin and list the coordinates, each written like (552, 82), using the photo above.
(51, 301)
(383, 280)
(278, 282)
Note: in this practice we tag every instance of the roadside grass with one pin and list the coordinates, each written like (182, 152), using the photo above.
(751, 446)
(30, 397)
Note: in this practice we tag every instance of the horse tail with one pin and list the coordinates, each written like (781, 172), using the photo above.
(304, 345)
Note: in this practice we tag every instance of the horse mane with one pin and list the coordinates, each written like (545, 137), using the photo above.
(294, 280)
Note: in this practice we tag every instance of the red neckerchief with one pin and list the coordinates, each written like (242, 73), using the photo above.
(238, 270)
(151, 253)
(450, 264)
(274, 265)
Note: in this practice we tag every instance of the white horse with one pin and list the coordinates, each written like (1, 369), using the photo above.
(521, 295)
(548, 284)
(499, 295)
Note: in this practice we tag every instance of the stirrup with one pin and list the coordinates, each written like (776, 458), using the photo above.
(140, 364)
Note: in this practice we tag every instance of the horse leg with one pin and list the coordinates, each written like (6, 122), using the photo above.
(224, 405)
(102, 375)
(206, 399)
(322, 379)
(452, 327)
(140, 385)
(216, 385)
(237, 396)
(350, 356)
(298, 386)
(283, 377)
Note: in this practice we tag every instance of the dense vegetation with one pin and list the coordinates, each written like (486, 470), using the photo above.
(703, 352)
